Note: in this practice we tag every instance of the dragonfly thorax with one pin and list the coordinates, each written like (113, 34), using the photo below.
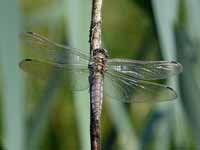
(99, 61)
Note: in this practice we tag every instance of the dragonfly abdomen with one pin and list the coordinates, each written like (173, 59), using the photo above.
(97, 94)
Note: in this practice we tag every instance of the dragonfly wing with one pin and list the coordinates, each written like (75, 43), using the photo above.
(124, 88)
(145, 70)
(75, 76)
(43, 49)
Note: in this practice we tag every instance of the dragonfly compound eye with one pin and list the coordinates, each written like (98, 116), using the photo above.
(100, 50)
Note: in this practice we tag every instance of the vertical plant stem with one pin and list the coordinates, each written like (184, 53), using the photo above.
(95, 28)
(95, 43)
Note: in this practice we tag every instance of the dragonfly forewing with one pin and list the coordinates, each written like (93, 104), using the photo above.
(145, 70)
(44, 49)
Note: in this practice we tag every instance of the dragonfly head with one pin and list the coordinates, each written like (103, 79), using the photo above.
(102, 51)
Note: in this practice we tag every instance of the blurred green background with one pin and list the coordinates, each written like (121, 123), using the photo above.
(47, 116)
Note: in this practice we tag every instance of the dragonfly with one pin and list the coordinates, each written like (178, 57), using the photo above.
(125, 80)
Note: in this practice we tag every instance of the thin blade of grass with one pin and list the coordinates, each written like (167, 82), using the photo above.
(78, 17)
(127, 138)
(165, 15)
(190, 96)
(188, 37)
(13, 104)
